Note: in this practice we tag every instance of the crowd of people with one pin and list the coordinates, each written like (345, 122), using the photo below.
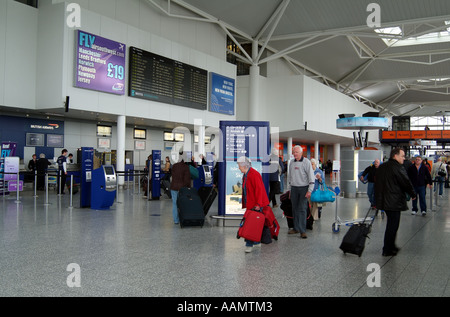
(390, 186)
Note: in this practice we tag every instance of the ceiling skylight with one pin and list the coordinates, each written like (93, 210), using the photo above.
(390, 37)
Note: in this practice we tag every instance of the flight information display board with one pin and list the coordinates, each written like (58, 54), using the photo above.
(158, 78)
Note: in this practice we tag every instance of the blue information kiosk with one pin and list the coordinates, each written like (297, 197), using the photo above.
(87, 165)
(103, 187)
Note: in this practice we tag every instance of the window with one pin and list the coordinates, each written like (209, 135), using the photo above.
(391, 36)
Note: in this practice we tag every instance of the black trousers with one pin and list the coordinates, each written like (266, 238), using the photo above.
(393, 223)
(273, 190)
(62, 181)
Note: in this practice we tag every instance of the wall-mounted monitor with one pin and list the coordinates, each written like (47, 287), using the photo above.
(55, 140)
(35, 139)
(104, 130)
(179, 137)
(140, 134)
(168, 136)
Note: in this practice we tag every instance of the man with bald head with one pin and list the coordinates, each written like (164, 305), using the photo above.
(301, 182)
(370, 172)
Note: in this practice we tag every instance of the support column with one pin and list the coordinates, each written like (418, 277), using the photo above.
(317, 152)
(337, 157)
(337, 152)
(200, 130)
(289, 149)
(121, 133)
(253, 103)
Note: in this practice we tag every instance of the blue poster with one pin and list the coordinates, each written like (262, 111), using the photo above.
(241, 138)
(222, 94)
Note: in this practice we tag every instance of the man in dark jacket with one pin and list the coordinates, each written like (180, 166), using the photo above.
(181, 177)
(391, 186)
(420, 177)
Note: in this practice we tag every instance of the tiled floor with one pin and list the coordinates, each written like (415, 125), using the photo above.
(134, 249)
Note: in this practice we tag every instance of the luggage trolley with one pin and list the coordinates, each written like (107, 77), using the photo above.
(336, 227)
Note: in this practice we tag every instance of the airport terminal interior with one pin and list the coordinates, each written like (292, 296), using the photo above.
(128, 88)
(134, 249)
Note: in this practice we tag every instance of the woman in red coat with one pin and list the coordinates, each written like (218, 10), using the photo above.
(254, 194)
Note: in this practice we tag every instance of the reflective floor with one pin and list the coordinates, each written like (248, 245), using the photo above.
(134, 249)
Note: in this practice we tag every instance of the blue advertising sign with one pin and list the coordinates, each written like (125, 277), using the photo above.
(156, 174)
(222, 94)
(100, 64)
(250, 139)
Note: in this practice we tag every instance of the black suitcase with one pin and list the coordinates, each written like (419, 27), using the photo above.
(207, 195)
(190, 208)
(286, 206)
(355, 239)
(165, 186)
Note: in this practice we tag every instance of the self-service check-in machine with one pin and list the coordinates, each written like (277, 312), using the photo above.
(104, 185)
(205, 179)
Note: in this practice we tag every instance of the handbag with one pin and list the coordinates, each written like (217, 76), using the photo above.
(323, 195)
(441, 172)
(266, 237)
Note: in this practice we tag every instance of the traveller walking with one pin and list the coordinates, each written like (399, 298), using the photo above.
(300, 182)
(420, 177)
(41, 166)
(391, 186)
(254, 194)
(370, 172)
(181, 177)
(276, 168)
(316, 210)
(439, 174)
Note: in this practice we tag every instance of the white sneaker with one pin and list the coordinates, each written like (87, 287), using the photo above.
(257, 245)
(414, 213)
(424, 213)
(248, 249)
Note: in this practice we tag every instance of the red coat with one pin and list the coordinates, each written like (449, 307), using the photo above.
(253, 190)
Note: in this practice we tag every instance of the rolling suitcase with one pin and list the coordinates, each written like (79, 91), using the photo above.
(355, 239)
(208, 195)
(165, 185)
(271, 222)
(190, 208)
(286, 206)
(252, 226)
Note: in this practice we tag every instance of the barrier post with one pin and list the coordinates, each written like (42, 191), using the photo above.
(35, 184)
(17, 188)
(71, 191)
(59, 183)
(46, 189)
